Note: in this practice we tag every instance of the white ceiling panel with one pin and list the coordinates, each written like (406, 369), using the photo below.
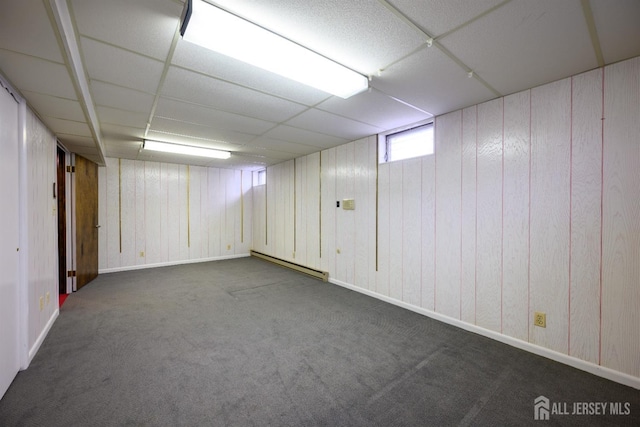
(439, 16)
(197, 88)
(32, 74)
(192, 113)
(60, 108)
(374, 108)
(145, 26)
(525, 44)
(108, 95)
(618, 27)
(28, 17)
(112, 133)
(67, 127)
(194, 57)
(363, 35)
(303, 136)
(331, 124)
(283, 146)
(76, 140)
(432, 82)
(192, 130)
(120, 67)
(118, 117)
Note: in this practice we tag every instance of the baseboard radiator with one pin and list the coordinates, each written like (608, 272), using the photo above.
(301, 268)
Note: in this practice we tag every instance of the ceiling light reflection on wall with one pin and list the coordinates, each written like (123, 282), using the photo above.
(189, 150)
(225, 33)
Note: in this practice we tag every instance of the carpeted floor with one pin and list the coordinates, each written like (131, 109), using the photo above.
(243, 342)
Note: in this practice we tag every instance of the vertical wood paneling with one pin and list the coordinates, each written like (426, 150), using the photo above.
(586, 191)
(139, 216)
(411, 239)
(515, 257)
(194, 213)
(112, 205)
(152, 210)
(342, 216)
(231, 209)
(550, 210)
(395, 230)
(428, 226)
(164, 213)
(300, 244)
(204, 212)
(489, 216)
(448, 141)
(287, 183)
(468, 259)
(384, 229)
(362, 212)
(247, 214)
(129, 253)
(216, 199)
(328, 256)
(621, 219)
(258, 197)
(173, 211)
(311, 199)
(184, 196)
(371, 218)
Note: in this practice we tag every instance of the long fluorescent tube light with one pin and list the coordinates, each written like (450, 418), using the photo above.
(185, 149)
(225, 33)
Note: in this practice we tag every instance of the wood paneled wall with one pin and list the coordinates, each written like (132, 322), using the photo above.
(158, 214)
(530, 203)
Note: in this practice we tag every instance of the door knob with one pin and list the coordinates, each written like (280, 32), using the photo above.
(97, 226)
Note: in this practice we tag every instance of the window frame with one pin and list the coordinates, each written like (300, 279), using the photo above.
(383, 143)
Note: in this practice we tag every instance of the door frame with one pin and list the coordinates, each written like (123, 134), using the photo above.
(69, 214)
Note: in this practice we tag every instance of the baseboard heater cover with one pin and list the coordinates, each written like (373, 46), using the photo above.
(301, 268)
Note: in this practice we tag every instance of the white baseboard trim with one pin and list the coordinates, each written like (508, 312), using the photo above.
(36, 346)
(574, 362)
(170, 263)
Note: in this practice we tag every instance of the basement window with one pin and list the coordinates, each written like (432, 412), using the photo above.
(406, 144)
(261, 177)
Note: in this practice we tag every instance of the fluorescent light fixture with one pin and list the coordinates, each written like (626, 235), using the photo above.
(220, 31)
(189, 150)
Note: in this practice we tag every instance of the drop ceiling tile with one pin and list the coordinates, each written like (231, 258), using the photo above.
(25, 28)
(306, 137)
(261, 152)
(172, 109)
(108, 95)
(76, 141)
(52, 106)
(112, 133)
(618, 27)
(117, 117)
(362, 35)
(331, 124)
(197, 88)
(374, 108)
(144, 26)
(439, 16)
(194, 57)
(525, 44)
(195, 131)
(59, 126)
(32, 74)
(283, 146)
(120, 67)
(432, 82)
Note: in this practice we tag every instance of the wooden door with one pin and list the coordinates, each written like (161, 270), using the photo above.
(86, 180)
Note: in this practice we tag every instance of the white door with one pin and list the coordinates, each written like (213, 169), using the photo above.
(9, 363)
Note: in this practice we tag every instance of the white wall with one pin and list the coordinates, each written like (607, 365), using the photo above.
(171, 214)
(530, 203)
(40, 218)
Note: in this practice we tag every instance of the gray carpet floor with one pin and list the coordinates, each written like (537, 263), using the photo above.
(243, 342)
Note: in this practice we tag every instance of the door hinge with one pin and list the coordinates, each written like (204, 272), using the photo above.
(71, 273)
(71, 169)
